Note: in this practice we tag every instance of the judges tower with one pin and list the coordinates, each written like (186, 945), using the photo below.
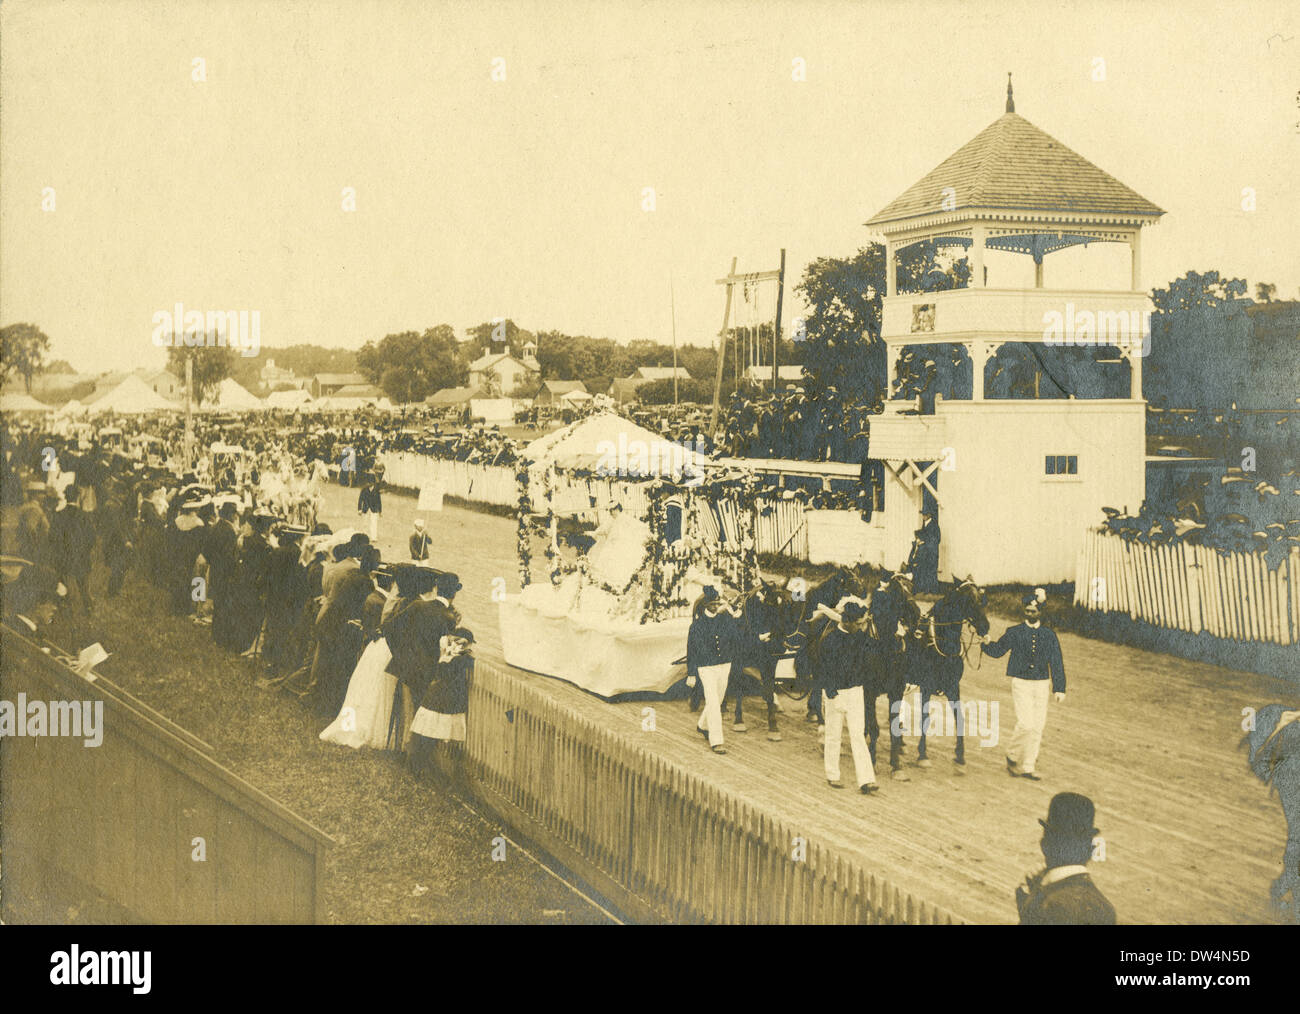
(1015, 480)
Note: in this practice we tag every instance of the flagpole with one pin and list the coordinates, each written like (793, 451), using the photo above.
(672, 309)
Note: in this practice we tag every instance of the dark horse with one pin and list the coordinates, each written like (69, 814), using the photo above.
(1275, 760)
(769, 615)
(936, 656)
(893, 614)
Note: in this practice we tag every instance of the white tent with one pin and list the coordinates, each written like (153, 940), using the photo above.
(610, 441)
(231, 396)
(72, 408)
(22, 403)
(492, 410)
(131, 396)
(575, 398)
(288, 399)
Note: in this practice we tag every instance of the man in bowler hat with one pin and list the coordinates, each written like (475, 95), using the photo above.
(1064, 894)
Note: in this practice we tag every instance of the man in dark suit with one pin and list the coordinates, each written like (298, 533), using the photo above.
(1035, 659)
(1064, 894)
(72, 536)
(221, 552)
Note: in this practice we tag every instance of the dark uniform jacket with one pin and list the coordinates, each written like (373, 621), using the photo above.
(1071, 901)
(711, 640)
(370, 501)
(1035, 654)
(842, 660)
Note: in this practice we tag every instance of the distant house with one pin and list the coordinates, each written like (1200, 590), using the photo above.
(762, 375)
(450, 397)
(164, 382)
(362, 390)
(272, 375)
(510, 373)
(553, 391)
(624, 389)
(325, 385)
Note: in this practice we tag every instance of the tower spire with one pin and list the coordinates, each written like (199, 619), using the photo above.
(1011, 102)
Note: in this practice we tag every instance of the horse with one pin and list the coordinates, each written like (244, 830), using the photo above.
(768, 615)
(1275, 760)
(936, 658)
(891, 610)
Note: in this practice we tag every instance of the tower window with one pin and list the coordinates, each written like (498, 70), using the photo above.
(1062, 464)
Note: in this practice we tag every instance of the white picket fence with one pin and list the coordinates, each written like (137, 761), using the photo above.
(780, 531)
(1191, 588)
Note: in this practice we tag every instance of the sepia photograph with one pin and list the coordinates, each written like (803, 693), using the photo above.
(684, 463)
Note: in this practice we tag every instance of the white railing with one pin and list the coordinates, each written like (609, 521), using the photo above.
(1191, 588)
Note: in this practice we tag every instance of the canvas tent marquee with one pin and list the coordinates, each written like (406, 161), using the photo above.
(22, 403)
(131, 396)
(231, 396)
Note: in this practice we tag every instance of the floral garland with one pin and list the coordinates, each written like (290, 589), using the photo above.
(523, 547)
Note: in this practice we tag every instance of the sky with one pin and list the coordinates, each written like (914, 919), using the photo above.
(478, 198)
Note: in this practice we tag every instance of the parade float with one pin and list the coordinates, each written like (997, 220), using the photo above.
(630, 528)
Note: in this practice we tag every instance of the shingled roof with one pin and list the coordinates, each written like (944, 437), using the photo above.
(1011, 165)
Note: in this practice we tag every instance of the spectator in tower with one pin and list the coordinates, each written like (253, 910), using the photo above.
(712, 643)
(1035, 660)
(1063, 894)
(843, 660)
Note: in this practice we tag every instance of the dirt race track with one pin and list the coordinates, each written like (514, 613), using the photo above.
(1189, 835)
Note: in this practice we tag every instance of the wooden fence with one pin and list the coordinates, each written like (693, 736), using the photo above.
(661, 843)
(1192, 588)
(118, 824)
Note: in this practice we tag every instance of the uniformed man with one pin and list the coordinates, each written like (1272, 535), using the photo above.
(1064, 894)
(1035, 659)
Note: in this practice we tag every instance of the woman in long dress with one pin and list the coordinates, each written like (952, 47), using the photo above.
(368, 707)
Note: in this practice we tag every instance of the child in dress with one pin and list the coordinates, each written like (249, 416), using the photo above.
(441, 716)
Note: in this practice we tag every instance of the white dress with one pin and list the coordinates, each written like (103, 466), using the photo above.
(368, 707)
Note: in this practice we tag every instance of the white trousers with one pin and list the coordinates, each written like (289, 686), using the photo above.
(1030, 700)
(713, 680)
(847, 706)
(374, 527)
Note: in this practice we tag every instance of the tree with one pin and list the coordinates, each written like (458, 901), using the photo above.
(212, 364)
(1197, 324)
(497, 335)
(22, 351)
(1265, 291)
(410, 366)
(843, 354)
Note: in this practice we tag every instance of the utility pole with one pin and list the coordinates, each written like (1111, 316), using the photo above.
(672, 309)
(776, 335)
(189, 411)
(722, 350)
(753, 278)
